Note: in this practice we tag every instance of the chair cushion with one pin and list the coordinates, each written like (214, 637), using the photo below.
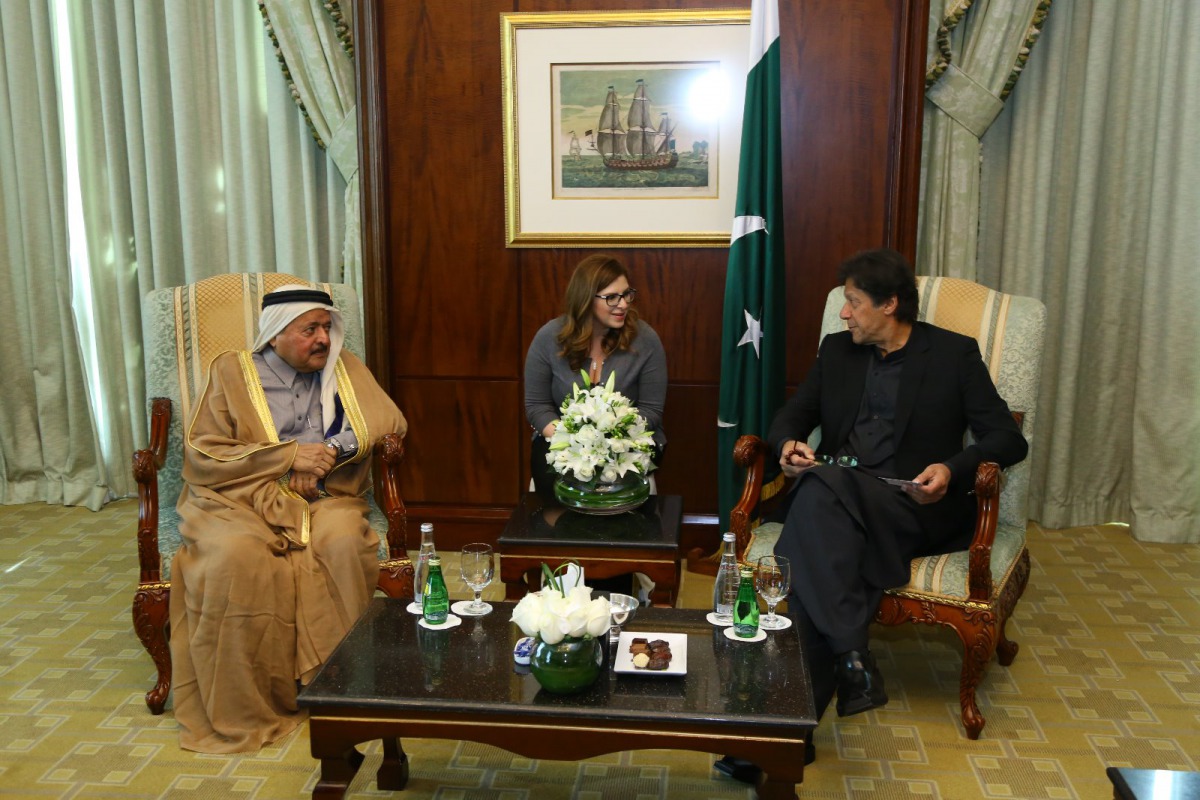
(762, 541)
(946, 575)
(936, 576)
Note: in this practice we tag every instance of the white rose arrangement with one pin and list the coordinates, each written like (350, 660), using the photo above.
(552, 614)
(601, 436)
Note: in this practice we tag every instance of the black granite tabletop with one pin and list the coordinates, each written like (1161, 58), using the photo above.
(389, 662)
(537, 520)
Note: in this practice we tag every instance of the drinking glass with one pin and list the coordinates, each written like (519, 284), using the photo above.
(621, 608)
(772, 578)
(478, 567)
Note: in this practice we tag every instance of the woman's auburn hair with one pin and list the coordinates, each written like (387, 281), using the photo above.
(591, 275)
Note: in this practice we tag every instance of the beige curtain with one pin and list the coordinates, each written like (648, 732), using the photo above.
(977, 51)
(194, 161)
(314, 48)
(48, 446)
(1091, 202)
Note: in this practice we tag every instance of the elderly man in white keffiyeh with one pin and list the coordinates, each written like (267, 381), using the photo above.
(277, 560)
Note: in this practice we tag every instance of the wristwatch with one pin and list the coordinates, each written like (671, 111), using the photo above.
(333, 444)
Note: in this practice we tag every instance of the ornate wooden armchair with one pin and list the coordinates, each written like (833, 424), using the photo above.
(185, 328)
(972, 591)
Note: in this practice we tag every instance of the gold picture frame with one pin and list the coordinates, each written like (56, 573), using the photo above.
(666, 174)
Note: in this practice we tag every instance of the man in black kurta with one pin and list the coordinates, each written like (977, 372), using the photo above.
(893, 398)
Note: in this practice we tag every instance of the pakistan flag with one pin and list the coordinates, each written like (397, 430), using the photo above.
(752, 339)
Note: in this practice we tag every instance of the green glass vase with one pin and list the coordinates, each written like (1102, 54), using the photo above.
(570, 666)
(594, 497)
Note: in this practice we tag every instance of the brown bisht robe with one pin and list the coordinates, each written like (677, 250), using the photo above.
(266, 584)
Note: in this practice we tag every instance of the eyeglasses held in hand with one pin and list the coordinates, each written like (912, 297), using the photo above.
(841, 461)
(629, 295)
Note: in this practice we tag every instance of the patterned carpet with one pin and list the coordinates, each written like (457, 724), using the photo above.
(1108, 675)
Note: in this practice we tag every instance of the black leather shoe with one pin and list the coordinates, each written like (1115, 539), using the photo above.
(860, 684)
(747, 771)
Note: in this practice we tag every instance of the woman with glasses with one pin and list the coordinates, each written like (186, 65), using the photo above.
(600, 334)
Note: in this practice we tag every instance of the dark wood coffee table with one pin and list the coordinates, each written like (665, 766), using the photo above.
(390, 679)
(645, 540)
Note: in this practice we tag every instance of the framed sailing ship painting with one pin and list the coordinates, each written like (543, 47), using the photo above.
(622, 129)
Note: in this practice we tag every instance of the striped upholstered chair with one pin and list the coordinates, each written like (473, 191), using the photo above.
(972, 591)
(186, 327)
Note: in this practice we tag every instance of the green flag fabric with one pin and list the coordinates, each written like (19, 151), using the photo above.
(752, 338)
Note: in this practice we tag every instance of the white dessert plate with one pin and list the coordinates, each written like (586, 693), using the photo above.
(623, 661)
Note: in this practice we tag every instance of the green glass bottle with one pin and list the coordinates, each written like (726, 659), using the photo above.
(745, 610)
(435, 600)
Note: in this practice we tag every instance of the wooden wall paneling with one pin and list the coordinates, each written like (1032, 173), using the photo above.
(369, 73)
(908, 110)
(684, 302)
(460, 441)
(689, 466)
(837, 115)
(454, 287)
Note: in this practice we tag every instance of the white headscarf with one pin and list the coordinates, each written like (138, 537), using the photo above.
(276, 317)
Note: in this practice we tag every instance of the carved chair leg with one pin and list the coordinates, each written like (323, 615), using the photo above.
(978, 634)
(1006, 649)
(151, 616)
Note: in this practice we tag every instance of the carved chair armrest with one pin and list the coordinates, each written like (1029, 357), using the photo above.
(987, 499)
(146, 464)
(750, 454)
(391, 453)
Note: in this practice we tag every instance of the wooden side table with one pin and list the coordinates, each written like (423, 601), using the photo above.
(645, 540)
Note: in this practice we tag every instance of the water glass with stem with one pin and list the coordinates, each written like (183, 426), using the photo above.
(478, 567)
(772, 579)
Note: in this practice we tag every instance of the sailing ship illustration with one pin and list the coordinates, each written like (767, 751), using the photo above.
(575, 150)
(640, 145)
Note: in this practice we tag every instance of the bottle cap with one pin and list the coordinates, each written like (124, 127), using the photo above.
(435, 561)
(747, 571)
(729, 536)
(426, 527)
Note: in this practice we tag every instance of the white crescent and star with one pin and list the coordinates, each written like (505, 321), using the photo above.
(754, 332)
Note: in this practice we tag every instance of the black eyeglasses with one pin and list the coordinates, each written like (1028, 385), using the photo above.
(629, 295)
(841, 461)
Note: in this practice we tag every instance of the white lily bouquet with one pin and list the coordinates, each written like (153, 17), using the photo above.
(601, 436)
(553, 614)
